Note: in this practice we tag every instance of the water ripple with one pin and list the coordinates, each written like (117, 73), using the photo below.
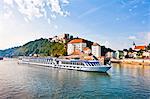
(34, 82)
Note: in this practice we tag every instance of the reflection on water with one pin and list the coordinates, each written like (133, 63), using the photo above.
(30, 81)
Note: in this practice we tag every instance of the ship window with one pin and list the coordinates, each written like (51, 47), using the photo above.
(93, 64)
(79, 63)
(63, 62)
(89, 64)
(82, 64)
(75, 63)
(70, 63)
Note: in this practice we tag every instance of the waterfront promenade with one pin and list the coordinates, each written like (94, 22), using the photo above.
(145, 62)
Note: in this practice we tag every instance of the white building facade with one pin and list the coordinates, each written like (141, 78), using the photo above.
(76, 44)
(81, 45)
(96, 50)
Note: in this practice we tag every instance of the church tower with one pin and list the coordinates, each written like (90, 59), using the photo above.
(134, 45)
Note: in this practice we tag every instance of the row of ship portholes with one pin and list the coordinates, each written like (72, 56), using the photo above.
(70, 66)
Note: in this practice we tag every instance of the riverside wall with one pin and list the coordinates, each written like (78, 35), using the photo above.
(132, 61)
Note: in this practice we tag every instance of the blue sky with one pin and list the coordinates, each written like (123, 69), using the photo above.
(113, 23)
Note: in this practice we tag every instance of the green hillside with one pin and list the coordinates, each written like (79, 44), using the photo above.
(41, 47)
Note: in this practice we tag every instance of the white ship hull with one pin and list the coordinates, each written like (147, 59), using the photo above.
(97, 69)
(83, 67)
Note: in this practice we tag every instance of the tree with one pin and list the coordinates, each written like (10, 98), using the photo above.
(148, 47)
(125, 50)
(130, 50)
(139, 53)
(42, 47)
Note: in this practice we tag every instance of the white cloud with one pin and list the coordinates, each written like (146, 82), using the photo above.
(147, 37)
(141, 38)
(27, 20)
(132, 37)
(55, 7)
(53, 16)
(49, 21)
(7, 15)
(55, 26)
(37, 8)
(9, 2)
(65, 1)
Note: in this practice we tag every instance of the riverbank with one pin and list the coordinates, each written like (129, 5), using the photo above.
(145, 62)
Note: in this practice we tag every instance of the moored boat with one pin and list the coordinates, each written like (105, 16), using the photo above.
(82, 65)
(1, 58)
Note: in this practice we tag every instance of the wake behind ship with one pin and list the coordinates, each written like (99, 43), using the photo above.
(82, 65)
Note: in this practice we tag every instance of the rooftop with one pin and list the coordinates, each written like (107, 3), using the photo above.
(79, 40)
(140, 47)
(76, 52)
(95, 44)
(86, 48)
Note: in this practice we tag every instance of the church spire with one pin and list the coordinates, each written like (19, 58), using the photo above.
(134, 43)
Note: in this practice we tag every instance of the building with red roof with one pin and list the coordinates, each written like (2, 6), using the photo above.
(137, 48)
(87, 50)
(76, 44)
(78, 40)
(83, 46)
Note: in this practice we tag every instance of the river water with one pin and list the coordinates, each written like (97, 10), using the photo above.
(18, 81)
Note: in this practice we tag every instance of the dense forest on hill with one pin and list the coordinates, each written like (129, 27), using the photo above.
(41, 47)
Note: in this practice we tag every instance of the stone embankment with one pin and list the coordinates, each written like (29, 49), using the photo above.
(132, 61)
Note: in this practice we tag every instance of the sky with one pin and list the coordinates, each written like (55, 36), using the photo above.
(113, 23)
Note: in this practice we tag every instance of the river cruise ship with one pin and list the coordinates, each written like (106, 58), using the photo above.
(82, 65)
